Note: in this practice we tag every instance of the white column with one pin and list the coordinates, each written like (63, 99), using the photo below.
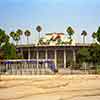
(46, 57)
(22, 52)
(74, 56)
(29, 53)
(37, 57)
(55, 53)
(64, 58)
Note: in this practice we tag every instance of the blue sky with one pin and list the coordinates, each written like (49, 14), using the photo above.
(52, 15)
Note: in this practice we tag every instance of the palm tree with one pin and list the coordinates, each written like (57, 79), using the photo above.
(39, 29)
(84, 34)
(70, 32)
(93, 36)
(15, 36)
(20, 32)
(27, 34)
(12, 35)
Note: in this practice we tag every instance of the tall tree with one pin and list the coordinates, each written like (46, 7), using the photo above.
(3, 37)
(83, 55)
(91, 54)
(70, 32)
(8, 51)
(15, 36)
(27, 34)
(12, 35)
(20, 32)
(39, 29)
(98, 35)
(84, 34)
(94, 36)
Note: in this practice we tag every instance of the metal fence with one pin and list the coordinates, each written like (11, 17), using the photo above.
(26, 67)
(43, 67)
(83, 68)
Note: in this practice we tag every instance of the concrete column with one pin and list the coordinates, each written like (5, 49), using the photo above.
(74, 56)
(37, 58)
(46, 57)
(22, 52)
(55, 53)
(64, 58)
(29, 53)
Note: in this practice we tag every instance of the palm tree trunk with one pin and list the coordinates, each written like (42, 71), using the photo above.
(16, 42)
(83, 39)
(70, 39)
(27, 40)
(20, 40)
(39, 35)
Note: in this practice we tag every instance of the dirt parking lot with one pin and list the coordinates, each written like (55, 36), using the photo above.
(50, 87)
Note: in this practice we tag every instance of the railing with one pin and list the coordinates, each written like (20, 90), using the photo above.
(44, 67)
(26, 67)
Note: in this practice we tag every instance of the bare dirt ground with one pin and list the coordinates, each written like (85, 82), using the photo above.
(50, 87)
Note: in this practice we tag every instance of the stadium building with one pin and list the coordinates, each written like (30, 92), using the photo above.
(56, 47)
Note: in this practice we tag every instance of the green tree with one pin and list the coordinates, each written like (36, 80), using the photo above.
(3, 37)
(20, 32)
(15, 36)
(84, 55)
(70, 32)
(95, 53)
(84, 34)
(98, 34)
(1, 54)
(9, 51)
(91, 54)
(12, 35)
(94, 36)
(27, 34)
(39, 29)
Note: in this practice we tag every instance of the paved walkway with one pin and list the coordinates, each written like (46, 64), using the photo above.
(47, 87)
